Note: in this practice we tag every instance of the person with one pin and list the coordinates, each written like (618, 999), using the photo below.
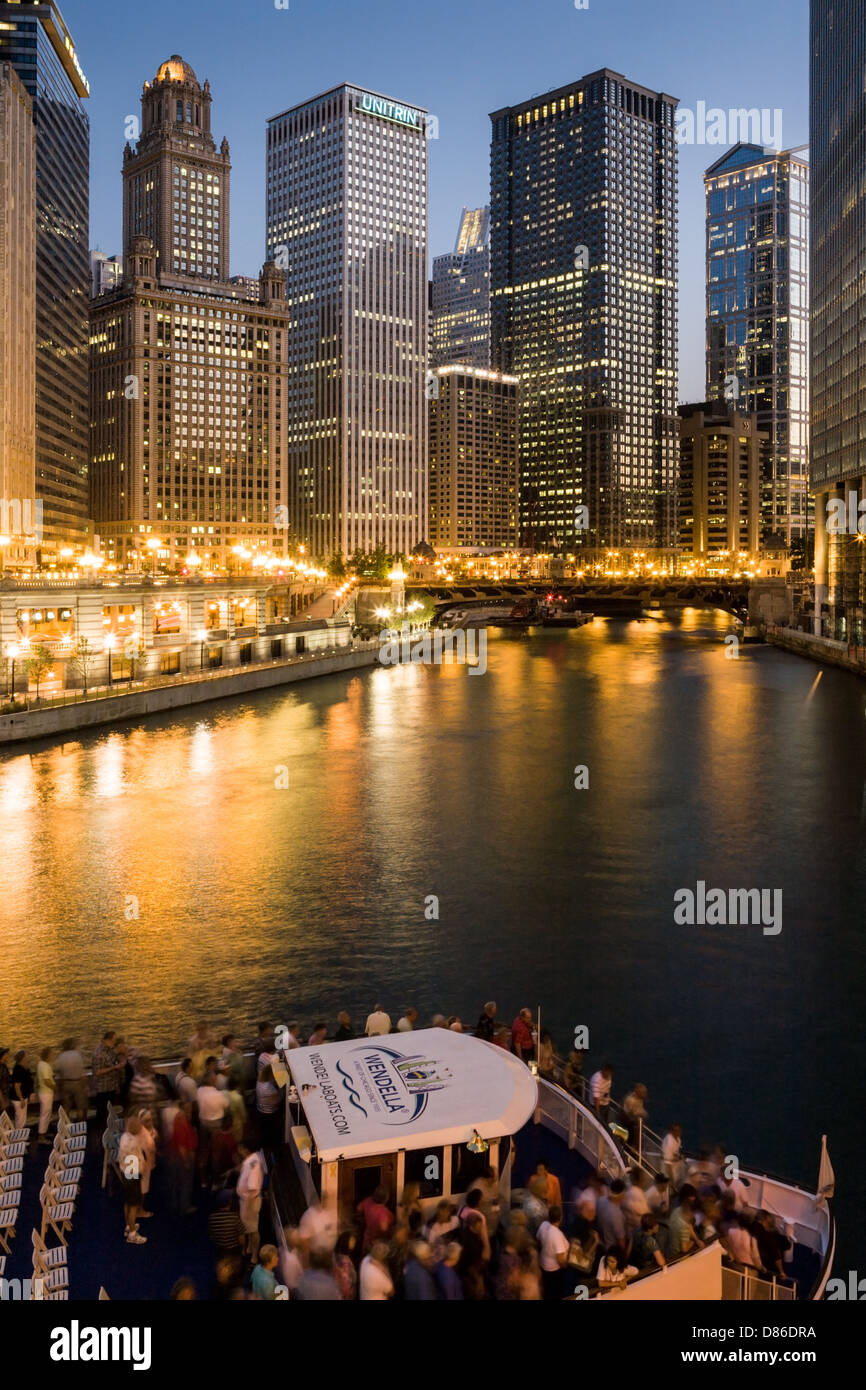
(672, 1155)
(232, 1061)
(236, 1110)
(599, 1091)
(45, 1087)
(225, 1228)
(318, 1284)
(507, 1277)
(410, 1211)
(737, 1239)
(553, 1253)
(535, 1205)
(269, 1103)
(438, 1021)
(573, 1074)
(455, 1024)
(485, 1028)
(131, 1160)
(317, 1229)
(528, 1275)
(142, 1088)
(611, 1273)
(147, 1136)
(733, 1192)
(645, 1250)
(263, 1282)
(475, 1256)
(448, 1281)
(182, 1145)
(445, 1222)
(291, 1268)
(228, 1273)
(682, 1236)
(104, 1076)
(378, 1023)
(293, 1040)
(658, 1195)
(201, 1048)
(771, 1244)
(250, 1183)
(344, 1031)
(546, 1058)
(224, 1148)
(21, 1088)
(522, 1042)
(185, 1084)
(419, 1285)
(345, 1272)
(69, 1069)
(375, 1282)
(264, 1041)
(318, 1035)
(634, 1202)
(183, 1291)
(407, 1022)
(553, 1193)
(635, 1112)
(212, 1106)
(376, 1218)
(610, 1217)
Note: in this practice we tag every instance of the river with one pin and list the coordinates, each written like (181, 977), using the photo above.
(415, 836)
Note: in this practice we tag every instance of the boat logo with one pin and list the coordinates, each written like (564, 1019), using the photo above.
(393, 1087)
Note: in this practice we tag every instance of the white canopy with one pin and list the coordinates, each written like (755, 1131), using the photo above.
(409, 1090)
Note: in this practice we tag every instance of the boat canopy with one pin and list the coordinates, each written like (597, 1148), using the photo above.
(409, 1091)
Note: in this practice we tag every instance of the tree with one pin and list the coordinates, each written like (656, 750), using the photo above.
(82, 659)
(39, 665)
(337, 565)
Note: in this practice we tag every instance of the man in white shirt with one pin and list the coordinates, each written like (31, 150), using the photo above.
(250, 1180)
(634, 1202)
(407, 1022)
(318, 1229)
(599, 1091)
(658, 1197)
(375, 1281)
(185, 1083)
(672, 1154)
(552, 1253)
(378, 1023)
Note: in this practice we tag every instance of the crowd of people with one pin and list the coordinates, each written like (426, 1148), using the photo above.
(211, 1121)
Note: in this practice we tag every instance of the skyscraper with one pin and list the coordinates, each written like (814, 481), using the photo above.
(583, 289)
(758, 314)
(473, 459)
(837, 145)
(460, 319)
(347, 218)
(37, 44)
(17, 317)
(722, 456)
(188, 371)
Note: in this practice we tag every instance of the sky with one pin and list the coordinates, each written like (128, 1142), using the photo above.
(461, 59)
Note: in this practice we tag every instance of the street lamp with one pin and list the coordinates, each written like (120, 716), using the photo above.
(109, 648)
(201, 635)
(14, 652)
(154, 545)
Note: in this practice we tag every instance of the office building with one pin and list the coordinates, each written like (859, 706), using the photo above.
(18, 513)
(723, 452)
(347, 218)
(837, 145)
(460, 305)
(758, 315)
(583, 296)
(106, 272)
(473, 459)
(34, 40)
(188, 377)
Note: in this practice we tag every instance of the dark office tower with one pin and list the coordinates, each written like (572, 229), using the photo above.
(176, 181)
(837, 146)
(347, 218)
(583, 293)
(35, 41)
(758, 315)
(460, 320)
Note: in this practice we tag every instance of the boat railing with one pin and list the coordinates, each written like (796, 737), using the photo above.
(748, 1285)
(645, 1151)
(562, 1113)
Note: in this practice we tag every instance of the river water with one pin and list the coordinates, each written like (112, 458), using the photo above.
(414, 835)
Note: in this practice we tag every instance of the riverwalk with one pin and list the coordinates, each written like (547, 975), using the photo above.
(74, 712)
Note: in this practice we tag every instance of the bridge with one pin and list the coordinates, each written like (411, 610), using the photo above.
(609, 598)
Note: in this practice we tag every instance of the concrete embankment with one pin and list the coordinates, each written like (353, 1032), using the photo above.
(824, 649)
(191, 690)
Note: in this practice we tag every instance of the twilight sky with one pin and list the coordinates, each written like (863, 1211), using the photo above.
(461, 59)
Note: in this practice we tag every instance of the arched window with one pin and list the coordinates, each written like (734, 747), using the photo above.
(179, 113)
(189, 113)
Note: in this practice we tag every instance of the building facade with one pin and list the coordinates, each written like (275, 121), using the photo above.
(35, 41)
(757, 315)
(460, 303)
(17, 320)
(188, 379)
(723, 452)
(106, 273)
(837, 142)
(473, 478)
(347, 219)
(583, 295)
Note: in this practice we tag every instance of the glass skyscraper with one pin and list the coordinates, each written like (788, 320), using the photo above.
(460, 319)
(583, 292)
(837, 140)
(36, 42)
(347, 220)
(758, 315)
